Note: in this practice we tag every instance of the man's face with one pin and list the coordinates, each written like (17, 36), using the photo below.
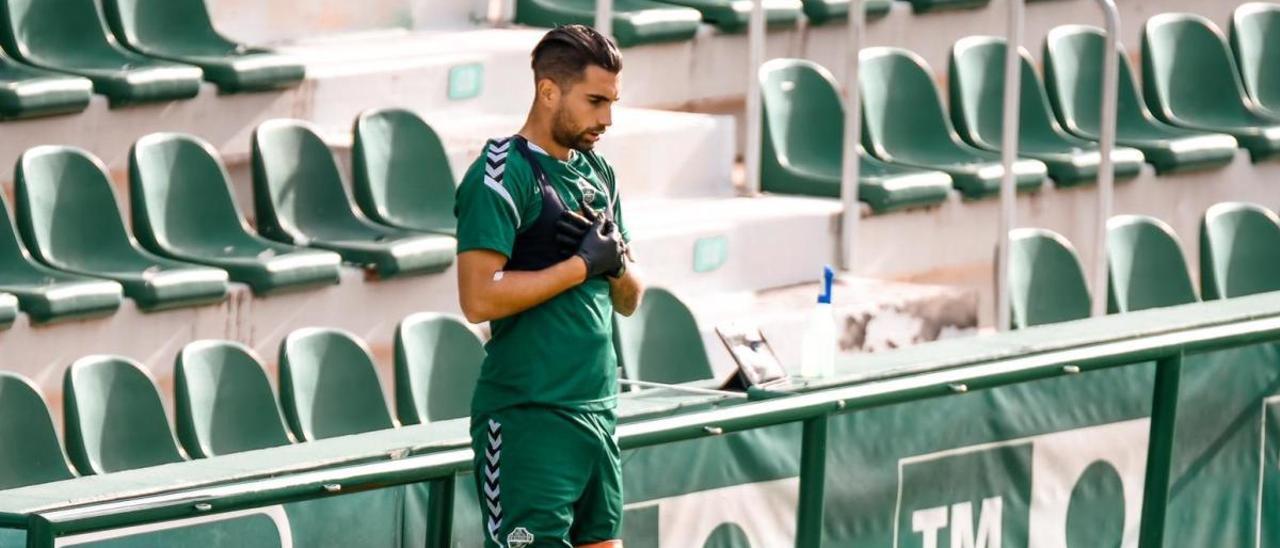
(585, 109)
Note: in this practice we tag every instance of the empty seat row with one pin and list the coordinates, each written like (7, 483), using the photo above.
(115, 418)
(76, 257)
(1239, 255)
(58, 52)
(915, 150)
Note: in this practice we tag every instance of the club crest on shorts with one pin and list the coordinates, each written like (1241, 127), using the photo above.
(519, 538)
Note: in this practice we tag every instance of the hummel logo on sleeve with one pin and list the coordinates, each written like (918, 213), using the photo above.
(495, 165)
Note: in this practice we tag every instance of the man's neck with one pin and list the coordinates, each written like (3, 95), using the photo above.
(536, 134)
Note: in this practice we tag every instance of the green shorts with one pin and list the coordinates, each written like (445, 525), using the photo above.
(547, 476)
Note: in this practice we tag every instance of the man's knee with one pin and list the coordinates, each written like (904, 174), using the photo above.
(615, 543)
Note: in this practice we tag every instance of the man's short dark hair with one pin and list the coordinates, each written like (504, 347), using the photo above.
(565, 53)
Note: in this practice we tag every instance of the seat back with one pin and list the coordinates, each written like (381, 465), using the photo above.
(1145, 265)
(1186, 70)
(976, 86)
(401, 172)
(166, 27)
(297, 188)
(803, 115)
(50, 32)
(1239, 251)
(438, 361)
(903, 111)
(1073, 56)
(661, 342)
(1046, 283)
(329, 385)
(29, 449)
(181, 196)
(1255, 40)
(114, 417)
(67, 210)
(224, 401)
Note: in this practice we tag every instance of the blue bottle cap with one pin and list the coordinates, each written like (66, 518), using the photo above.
(828, 275)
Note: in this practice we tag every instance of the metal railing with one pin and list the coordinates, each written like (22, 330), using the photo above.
(852, 213)
(813, 409)
(1106, 171)
(1008, 157)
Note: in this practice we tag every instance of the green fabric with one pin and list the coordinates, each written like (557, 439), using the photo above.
(1145, 265)
(560, 352)
(223, 401)
(1046, 283)
(329, 385)
(1239, 251)
(556, 473)
(1073, 76)
(1255, 40)
(635, 22)
(1189, 79)
(977, 108)
(661, 341)
(803, 144)
(438, 360)
(821, 12)
(114, 418)
(183, 209)
(29, 449)
(401, 172)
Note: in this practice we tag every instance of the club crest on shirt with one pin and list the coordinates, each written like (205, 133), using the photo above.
(519, 538)
(588, 192)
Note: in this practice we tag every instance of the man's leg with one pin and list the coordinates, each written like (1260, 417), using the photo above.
(597, 520)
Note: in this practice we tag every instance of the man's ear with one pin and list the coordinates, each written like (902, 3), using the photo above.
(548, 92)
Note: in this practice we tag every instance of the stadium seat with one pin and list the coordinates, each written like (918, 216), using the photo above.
(1255, 40)
(68, 216)
(977, 110)
(224, 403)
(401, 172)
(1190, 80)
(1046, 283)
(803, 145)
(905, 123)
(46, 294)
(1073, 77)
(821, 12)
(661, 342)
(183, 209)
(71, 36)
(1239, 251)
(8, 309)
(300, 199)
(28, 92)
(181, 31)
(29, 450)
(730, 17)
(926, 6)
(1145, 265)
(114, 417)
(437, 363)
(635, 22)
(329, 385)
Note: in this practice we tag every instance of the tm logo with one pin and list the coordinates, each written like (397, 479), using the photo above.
(1072, 489)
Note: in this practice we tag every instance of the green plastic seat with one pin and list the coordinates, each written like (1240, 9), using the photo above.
(29, 449)
(181, 30)
(905, 123)
(1145, 265)
(635, 22)
(804, 144)
(224, 403)
(401, 172)
(1073, 78)
(183, 209)
(1046, 283)
(329, 385)
(977, 109)
(438, 361)
(114, 417)
(68, 216)
(8, 309)
(70, 36)
(1255, 40)
(1239, 251)
(299, 199)
(1189, 79)
(29, 92)
(45, 294)
(927, 6)
(821, 12)
(732, 16)
(661, 342)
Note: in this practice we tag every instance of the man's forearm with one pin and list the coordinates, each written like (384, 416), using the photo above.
(625, 292)
(513, 292)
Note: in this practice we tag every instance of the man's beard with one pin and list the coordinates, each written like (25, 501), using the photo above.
(565, 135)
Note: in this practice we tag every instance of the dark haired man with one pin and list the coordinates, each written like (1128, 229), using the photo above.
(542, 255)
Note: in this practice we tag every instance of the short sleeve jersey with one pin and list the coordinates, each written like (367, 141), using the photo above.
(559, 353)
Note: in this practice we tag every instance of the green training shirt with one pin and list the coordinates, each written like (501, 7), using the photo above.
(559, 353)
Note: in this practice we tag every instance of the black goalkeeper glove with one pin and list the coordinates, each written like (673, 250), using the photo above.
(595, 239)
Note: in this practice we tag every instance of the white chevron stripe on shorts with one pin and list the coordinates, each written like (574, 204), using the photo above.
(492, 491)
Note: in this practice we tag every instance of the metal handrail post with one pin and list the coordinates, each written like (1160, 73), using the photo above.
(604, 17)
(1164, 416)
(755, 58)
(850, 175)
(813, 480)
(1106, 172)
(1009, 156)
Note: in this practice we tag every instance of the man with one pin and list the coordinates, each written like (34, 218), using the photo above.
(542, 255)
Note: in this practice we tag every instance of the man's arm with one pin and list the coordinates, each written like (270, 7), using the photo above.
(625, 291)
(485, 295)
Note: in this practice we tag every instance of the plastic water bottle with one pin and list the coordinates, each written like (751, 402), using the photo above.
(818, 355)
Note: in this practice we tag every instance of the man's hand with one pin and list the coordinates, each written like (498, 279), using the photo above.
(600, 245)
(573, 227)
